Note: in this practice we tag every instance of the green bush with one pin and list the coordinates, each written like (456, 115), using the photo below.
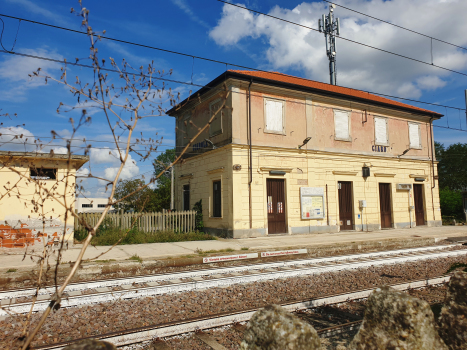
(451, 204)
(134, 236)
(199, 224)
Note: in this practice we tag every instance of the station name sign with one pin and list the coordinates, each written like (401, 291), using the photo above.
(283, 252)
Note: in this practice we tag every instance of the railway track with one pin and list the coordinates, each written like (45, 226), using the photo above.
(111, 290)
(130, 337)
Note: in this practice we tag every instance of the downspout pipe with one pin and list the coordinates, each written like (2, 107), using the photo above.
(433, 185)
(250, 156)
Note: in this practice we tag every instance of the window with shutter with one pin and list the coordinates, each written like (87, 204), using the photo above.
(274, 116)
(381, 131)
(185, 129)
(216, 125)
(342, 125)
(414, 135)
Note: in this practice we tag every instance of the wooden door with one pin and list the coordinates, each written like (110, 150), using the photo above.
(419, 206)
(385, 205)
(345, 205)
(276, 205)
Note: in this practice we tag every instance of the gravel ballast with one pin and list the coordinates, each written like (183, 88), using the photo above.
(67, 324)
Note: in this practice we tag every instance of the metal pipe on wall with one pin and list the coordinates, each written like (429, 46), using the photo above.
(433, 185)
(250, 157)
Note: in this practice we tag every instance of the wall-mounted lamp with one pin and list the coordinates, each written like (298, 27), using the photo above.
(210, 142)
(304, 142)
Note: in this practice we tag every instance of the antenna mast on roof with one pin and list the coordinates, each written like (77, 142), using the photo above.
(330, 28)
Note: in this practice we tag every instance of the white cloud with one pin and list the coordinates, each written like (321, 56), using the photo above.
(430, 82)
(290, 46)
(16, 138)
(186, 8)
(43, 12)
(111, 157)
(15, 72)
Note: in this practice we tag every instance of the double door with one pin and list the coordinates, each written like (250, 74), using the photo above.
(385, 205)
(345, 205)
(419, 205)
(276, 205)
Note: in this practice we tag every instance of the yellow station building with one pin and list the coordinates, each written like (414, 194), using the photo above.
(32, 185)
(286, 155)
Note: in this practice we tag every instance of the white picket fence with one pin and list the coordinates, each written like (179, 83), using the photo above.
(179, 221)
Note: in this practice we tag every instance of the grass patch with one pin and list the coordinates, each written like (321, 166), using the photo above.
(108, 235)
(212, 251)
(245, 248)
(136, 258)
(456, 266)
(12, 270)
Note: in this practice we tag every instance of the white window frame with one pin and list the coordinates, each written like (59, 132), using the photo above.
(419, 136)
(349, 138)
(387, 132)
(266, 130)
(217, 132)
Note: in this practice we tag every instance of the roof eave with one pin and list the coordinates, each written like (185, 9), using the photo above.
(246, 77)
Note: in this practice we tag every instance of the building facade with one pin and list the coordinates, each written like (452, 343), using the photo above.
(92, 205)
(34, 189)
(288, 155)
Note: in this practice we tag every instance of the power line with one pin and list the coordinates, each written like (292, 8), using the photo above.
(197, 57)
(346, 39)
(206, 86)
(395, 25)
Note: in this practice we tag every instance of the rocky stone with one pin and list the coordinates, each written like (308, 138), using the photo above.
(395, 320)
(273, 328)
(453, 318)
(91, 344)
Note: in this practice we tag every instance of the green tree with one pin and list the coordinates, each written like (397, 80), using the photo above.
(451, 203)
(144, 200)
(452, 166)
(163, 183)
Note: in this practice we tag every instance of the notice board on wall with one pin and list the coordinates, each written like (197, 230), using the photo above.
(312, 202)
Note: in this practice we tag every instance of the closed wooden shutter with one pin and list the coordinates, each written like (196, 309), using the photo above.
(274, 116)
(414, 135)
(381, 131)
(216, 125)
(341, 125)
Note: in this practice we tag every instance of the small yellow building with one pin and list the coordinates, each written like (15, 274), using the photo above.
(289, 155)
(32, 185)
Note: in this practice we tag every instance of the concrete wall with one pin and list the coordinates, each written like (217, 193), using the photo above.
(324, 160)
(318, 169)
(98, 205)
(27, 215)
(200, 172)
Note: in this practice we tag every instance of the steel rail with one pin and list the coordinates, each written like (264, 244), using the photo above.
(113, 296)
(149, 333)
(80, 286)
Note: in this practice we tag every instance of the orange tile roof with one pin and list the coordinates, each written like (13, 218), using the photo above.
(289, 79)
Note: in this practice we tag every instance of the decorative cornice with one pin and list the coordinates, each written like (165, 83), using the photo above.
(384, 175)
(413, 176)
(217, 170)
(342, 172)
(267, 168)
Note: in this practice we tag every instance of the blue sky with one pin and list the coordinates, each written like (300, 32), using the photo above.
(214, 30)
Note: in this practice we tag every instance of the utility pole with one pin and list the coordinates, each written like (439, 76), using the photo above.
(330, 28)
(466, 111)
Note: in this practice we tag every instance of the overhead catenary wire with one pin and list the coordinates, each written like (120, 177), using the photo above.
(347, 39)
(396, 25)
(191, 55)
(204, 86)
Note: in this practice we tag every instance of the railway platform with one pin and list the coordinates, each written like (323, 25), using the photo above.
(14, 258)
